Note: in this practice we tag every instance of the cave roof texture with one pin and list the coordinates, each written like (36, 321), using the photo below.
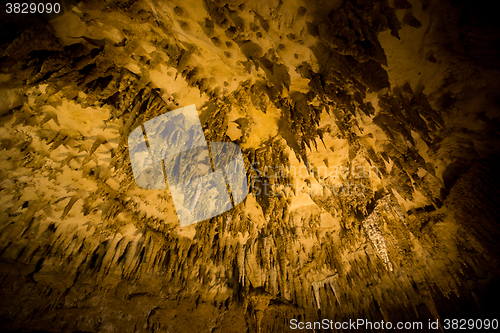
(369, 131)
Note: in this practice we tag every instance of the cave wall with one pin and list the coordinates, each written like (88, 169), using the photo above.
(396, 99)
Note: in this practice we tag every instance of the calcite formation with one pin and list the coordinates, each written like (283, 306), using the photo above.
(370, 136)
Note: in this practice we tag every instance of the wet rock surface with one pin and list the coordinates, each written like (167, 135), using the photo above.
(369, 132)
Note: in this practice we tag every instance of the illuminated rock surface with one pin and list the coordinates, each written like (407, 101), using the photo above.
(369, 130)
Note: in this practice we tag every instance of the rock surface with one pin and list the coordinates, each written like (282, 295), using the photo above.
(370, 134)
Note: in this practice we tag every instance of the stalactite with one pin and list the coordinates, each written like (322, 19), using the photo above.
(319, 97)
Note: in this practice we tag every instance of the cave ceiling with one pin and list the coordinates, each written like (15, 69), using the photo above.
(369, 131)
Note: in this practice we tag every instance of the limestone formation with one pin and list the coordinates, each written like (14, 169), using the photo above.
(370, 136)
